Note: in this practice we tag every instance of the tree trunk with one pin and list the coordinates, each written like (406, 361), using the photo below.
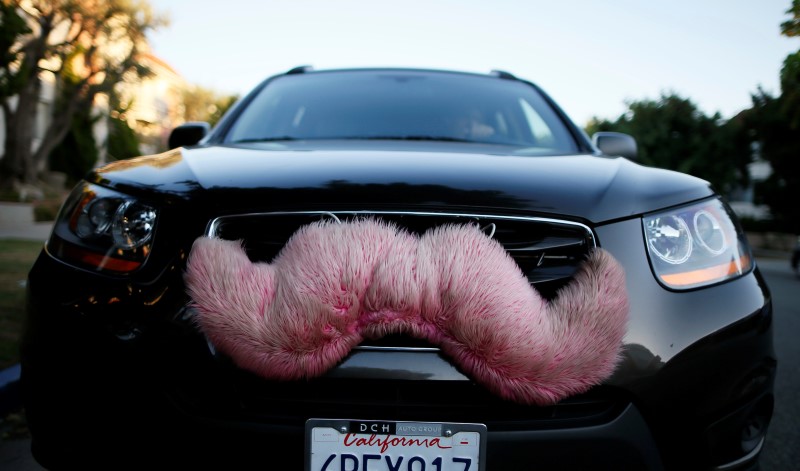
(59, 127)
(17, 163)
(9, 166)
(20, 125)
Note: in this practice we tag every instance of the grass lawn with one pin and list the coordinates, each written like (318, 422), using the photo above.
(16, 258)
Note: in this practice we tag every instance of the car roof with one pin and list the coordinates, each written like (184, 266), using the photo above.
(307, 69)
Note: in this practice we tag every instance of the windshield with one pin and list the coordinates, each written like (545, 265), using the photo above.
(402, 105)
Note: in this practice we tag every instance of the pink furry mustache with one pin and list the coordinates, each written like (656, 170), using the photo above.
(333, 285)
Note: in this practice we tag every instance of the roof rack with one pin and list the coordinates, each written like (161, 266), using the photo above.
(300, 69)
(503, 74)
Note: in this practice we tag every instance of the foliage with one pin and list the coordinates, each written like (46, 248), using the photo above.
(123, 143)
(790, 72)
(12, 26)
(771, 125)
(87, 47)
(774, 122)
(221, 107)
(790, 89)
(77, 153)
(203, 104)
(791, 27)
(46, 210)
(673, 133)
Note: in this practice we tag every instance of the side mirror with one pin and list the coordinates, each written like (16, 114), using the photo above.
(188, 134)
(616, 143)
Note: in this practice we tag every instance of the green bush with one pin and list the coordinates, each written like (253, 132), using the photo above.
(46, 210)
(77, 153)
(122, 140)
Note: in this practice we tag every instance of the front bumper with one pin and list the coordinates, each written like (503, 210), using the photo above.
(115, 375)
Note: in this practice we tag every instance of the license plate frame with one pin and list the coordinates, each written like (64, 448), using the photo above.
(350, 430)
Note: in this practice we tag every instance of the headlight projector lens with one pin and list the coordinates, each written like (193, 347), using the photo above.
(709, 232)
(133, 225)
(669, 239)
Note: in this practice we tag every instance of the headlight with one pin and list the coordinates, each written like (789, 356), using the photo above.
(102, 229)
(696, 245)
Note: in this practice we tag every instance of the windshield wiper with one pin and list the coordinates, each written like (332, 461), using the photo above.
(410, 138)
(360, 138)
(265, 139)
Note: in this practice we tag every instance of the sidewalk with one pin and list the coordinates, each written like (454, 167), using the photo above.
(38, 231)
(16, 222)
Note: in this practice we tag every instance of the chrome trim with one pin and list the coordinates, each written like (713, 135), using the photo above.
(493, 226)
(335, 218)
(342, 426)
(397, 365)
(212, 227)
(744, 459)
(376, 348)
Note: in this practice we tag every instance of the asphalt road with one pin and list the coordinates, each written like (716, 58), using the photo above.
(782, 449)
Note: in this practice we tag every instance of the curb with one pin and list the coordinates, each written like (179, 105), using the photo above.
(38, 232)
(10, 394)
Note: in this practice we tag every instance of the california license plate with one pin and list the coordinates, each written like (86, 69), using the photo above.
(353, 445)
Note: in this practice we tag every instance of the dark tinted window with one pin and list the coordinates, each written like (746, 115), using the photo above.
(402, 105)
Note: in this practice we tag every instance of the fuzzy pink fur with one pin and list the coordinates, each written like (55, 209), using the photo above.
(333, 285)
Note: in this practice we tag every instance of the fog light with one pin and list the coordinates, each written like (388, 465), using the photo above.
(755, 426)
(737, 438)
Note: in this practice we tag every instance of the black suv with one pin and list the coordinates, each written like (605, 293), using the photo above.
(392, 269)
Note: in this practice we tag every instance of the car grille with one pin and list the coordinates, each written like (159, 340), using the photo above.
(239, 396)
(447, 401)
(548, 251)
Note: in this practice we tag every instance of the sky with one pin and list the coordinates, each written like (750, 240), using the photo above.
(590, 56)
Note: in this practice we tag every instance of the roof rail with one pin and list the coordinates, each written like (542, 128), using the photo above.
(504, 75)
(300, 69)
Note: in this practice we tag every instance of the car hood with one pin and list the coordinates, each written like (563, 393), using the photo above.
(264, 177)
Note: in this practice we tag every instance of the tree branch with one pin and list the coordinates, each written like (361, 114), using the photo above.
(45, 69)
(27, 13)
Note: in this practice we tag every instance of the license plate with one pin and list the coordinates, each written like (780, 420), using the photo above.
(353, 445)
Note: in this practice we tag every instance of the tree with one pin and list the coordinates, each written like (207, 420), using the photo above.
(774, 122)
(791, 27)
(780, 147)
(203, 104)
(77, 153)
(673, 133)
(123, 143)
(12, 26)
(97, 39)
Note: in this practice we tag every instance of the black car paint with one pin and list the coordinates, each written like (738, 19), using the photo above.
(121, 343)
(384, 174)
(138, 327)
